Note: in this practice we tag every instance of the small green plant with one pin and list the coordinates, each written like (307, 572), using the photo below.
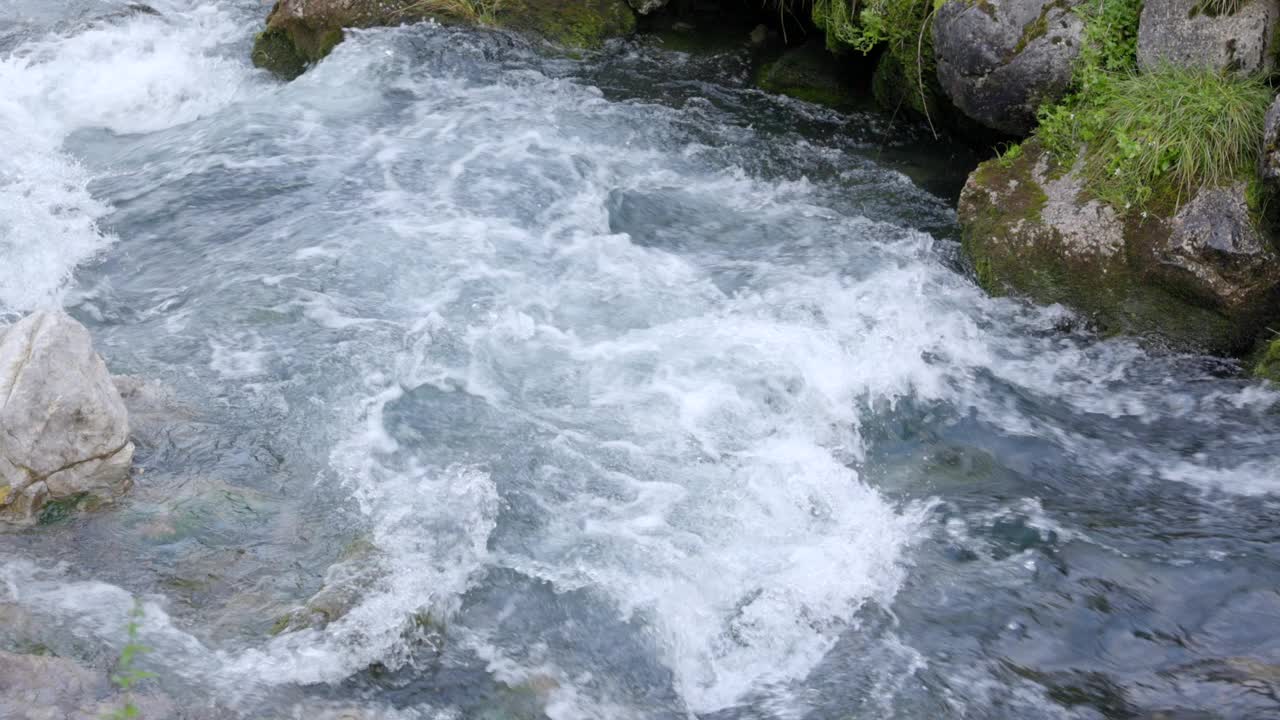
(1009, 155)
(126, 675)
(901, 27)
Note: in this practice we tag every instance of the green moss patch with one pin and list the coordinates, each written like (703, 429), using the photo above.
(1039, 27)
(1267, 362)
(895, 86)
(288, 46)
(1013, 250)
(581, 24)
(273, 50)
(56, 511)
(808, 73)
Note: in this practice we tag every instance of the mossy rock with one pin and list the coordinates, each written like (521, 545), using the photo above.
(288, 52)
(808, 73)
(1266, 364)
(1032, 228)
(301, 33)
(56, 511)
(577, 24)
(899, 87)
(892, 89)
(208, 511)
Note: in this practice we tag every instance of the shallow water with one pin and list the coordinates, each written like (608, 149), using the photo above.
(612, 387)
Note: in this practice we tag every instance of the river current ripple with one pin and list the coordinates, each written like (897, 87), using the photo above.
(601, 387)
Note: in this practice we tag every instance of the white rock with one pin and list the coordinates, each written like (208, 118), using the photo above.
(64, 430)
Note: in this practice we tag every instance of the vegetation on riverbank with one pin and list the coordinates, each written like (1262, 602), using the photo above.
(1151, 139)
(899, 29)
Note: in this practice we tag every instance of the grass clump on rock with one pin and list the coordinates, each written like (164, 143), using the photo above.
(1109, 49)
(1162, 135)
(1151, 139)
(1154, 139)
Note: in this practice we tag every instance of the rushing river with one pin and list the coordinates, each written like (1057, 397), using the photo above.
(602, 387)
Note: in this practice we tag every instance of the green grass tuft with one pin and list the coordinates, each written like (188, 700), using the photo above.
(1155, 138)
(1109, 48)
(1164, 134)
(1009, 154)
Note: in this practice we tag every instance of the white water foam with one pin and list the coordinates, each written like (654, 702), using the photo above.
(138, 73)
(716, 502)
(698, 448)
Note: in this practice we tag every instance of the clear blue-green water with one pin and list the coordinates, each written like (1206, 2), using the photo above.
(658, 396)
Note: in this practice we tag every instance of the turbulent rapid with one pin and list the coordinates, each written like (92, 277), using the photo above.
(600, 387)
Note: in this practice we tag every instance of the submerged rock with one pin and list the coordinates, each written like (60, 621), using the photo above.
(581, 24)
(300, 33)
(65, 428)
(1204, 277)
(1000, 60)
(808, 73)
(1189, 33)
(42, 687)
(345, 584)
(38, 686)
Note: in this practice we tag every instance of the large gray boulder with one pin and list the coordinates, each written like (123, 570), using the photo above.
(1186, 34)
(64, 430)
(998, 61)
(1203, 277)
